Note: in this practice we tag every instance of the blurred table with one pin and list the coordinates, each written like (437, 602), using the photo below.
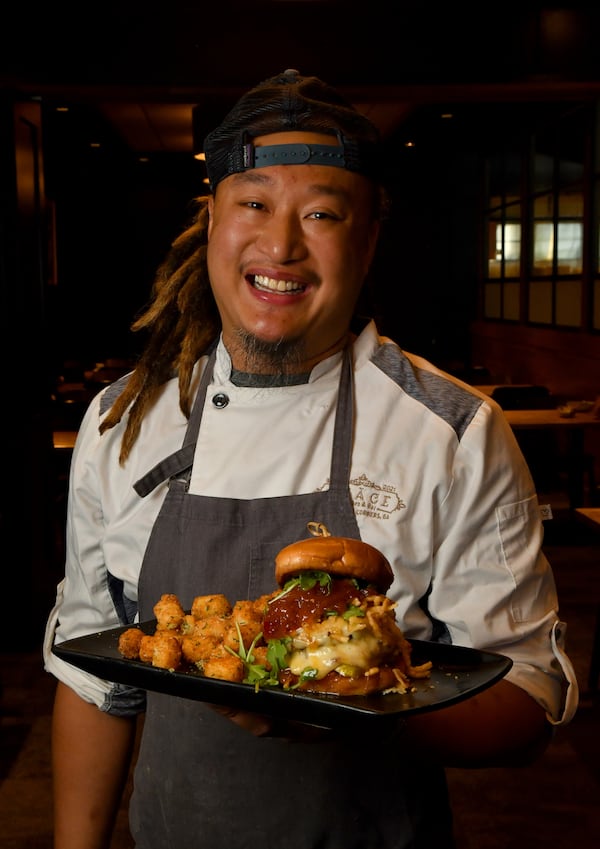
(64, 439)
(551, 418)
(590, 516)
(574, 427)
(488, 388)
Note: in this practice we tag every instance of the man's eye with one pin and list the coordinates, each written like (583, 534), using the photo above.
(324, 216)
(254, 204)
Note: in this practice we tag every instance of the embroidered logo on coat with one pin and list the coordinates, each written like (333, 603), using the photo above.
(374, 500)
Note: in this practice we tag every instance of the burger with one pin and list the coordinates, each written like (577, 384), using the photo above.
(331, 628)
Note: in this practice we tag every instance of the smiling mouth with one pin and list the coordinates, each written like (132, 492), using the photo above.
(269, 284)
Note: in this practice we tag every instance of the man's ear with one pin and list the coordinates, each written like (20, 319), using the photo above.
(372, 239)
(210, 207)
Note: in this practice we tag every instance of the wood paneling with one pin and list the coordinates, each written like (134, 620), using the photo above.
(567, 362)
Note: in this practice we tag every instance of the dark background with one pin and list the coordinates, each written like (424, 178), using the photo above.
(404, 65)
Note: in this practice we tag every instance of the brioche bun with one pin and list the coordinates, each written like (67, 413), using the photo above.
(341, 557)
(340, 685)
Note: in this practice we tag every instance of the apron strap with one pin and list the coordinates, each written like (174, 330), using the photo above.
(343, 432)
(182, 459)
(171, 466)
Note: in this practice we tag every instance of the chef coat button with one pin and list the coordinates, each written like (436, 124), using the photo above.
(220, 400)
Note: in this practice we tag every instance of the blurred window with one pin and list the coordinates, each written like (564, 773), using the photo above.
(538, 221)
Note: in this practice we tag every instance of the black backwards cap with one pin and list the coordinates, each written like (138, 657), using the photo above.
(289, 101)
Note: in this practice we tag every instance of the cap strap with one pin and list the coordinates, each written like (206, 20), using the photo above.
(293, 154)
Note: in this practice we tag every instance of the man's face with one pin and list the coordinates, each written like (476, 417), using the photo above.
(288, 249)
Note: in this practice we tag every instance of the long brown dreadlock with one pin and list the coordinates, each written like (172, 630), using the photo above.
(182, 321)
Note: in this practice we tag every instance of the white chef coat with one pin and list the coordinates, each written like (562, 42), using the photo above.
(438, 484)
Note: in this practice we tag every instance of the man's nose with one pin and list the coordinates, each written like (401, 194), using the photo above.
(282, 238)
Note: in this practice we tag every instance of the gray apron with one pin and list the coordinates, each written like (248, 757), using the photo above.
(200, 780)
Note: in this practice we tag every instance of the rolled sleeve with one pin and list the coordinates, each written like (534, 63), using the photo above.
(493, 585)
(85, 602)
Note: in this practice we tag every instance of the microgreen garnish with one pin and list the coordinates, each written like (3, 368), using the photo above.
(308, 674)
(353, 610)
(277, 653)
(306, 581)
(257, 673)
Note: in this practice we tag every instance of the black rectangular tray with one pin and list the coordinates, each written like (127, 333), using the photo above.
(458, 673)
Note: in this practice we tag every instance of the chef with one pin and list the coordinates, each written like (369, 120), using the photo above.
(263, 401)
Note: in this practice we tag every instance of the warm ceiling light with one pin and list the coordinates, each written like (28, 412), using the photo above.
(201, 156)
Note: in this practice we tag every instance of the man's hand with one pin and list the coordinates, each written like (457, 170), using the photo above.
(267, 726)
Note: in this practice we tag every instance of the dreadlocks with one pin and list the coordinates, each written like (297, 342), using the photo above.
(182, 321)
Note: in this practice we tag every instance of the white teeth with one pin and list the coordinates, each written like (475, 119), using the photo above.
(271, 285)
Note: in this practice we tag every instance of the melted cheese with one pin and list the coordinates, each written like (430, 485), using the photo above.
(335, 642)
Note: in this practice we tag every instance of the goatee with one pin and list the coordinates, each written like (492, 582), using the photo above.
(284, 356)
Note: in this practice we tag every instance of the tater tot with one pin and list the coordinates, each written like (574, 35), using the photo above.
(204, 606)
(129, 643)
(261, 604)
(214, 626)
(147, 648)
(250, 622)
(196, 649)
(166, 653)
(225, 666)
(169, 613)
(206, 635)
(249, 629)
(188, 624)
(244, 610)
(259, 656)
